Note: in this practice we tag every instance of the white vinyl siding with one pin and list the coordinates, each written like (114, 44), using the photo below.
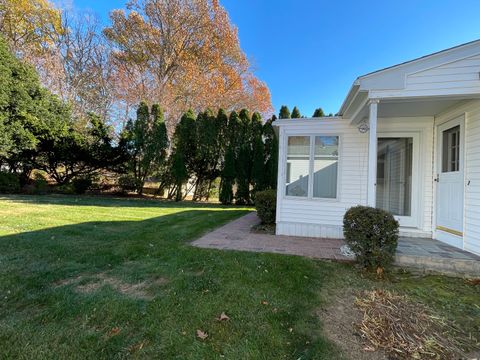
(463, 74)
(471, 109)
(324, 217)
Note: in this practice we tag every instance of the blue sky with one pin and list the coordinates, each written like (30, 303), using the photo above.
(310, 51)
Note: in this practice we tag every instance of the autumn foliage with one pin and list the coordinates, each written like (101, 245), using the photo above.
(181, 54)
(185, 54)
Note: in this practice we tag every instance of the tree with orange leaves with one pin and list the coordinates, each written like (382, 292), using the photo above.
(184, 54)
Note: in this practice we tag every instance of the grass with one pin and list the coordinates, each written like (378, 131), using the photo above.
(103, 278)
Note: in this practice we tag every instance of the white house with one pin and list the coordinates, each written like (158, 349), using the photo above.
(407, 140)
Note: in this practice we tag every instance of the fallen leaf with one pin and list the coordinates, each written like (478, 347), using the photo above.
(138, 346)
(223, 317)
(264, 302)
(114, 331)
(380, 271)
(202, 334)
(474, 281)
(290, 329)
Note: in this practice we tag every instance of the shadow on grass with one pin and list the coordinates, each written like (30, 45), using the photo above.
(108, 201)
(101, 244)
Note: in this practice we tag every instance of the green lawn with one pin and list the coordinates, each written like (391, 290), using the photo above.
(85, 277)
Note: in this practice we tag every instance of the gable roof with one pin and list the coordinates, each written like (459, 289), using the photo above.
(393, 77)
(419, 58)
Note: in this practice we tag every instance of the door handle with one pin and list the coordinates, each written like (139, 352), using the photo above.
(437, 179)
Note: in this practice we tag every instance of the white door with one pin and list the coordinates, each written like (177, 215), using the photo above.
(450, 182)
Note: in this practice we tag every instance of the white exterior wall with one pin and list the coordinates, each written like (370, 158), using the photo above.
(471, 110)
(324, 217)
(460, 74)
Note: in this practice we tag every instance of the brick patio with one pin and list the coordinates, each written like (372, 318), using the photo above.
(420, 253)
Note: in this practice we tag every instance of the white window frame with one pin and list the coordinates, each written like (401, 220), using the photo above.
(309, 196)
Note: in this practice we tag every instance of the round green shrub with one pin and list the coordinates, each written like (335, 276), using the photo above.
(266, 205)
(81, 185)
(9, 183)
(372, 234)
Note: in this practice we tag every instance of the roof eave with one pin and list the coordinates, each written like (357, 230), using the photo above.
(354, 89)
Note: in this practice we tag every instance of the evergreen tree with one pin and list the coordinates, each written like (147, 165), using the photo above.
(179, 173)
(146, 140)
(318, 113)
(257, 178)
(271, 155)
(296, 113)
(258, 166)
(207, 155)
(228, 177)
(244, 158)
(284, 113)
(233, 132)
(242, 196)
(182, 158)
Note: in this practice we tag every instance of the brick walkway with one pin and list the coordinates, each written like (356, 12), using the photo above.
(236, 235)
(420, 253)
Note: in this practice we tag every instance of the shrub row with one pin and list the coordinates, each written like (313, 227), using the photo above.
(10, 184)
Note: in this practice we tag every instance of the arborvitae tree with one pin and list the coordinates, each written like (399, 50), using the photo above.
(182, 157)
(179, 173)
(244, 158)
(207, 154)
(258, 166)
(146, 139)
(318, 113)
(256, 126)
(271, 155)
(242, 195)
(233, 132)
(228, 177)
(284, 113)
(296, 113)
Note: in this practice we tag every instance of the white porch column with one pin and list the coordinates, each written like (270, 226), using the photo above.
(372, 153)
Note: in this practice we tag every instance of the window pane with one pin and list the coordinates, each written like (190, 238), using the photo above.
(325, 167)
(298, 164)
(394, 175)
(451, 150)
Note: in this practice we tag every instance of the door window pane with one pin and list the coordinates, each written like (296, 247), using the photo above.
(451, 149)
(394, 175)
(298, 164)
(325, 167)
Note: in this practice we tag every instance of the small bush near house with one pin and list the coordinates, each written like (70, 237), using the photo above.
(372, 234)
(266, 205)
(81, 185)
(9, 183)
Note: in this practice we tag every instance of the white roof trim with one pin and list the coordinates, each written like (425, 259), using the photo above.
(421, 58)
(303, 121)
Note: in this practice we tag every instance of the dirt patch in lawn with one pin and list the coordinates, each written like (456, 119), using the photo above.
(339, 319)
(406, 329)
(135, 290)
(382, 325)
